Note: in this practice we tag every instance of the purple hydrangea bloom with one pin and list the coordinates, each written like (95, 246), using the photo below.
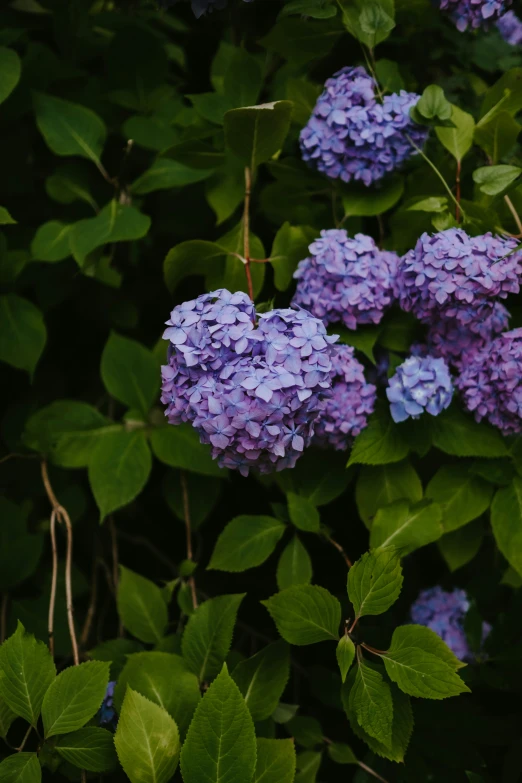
(107, 713)
(510, 28)
(346, 279)
(444, 613)
(419, 384)
(252, 392)
(474, 13)
(491, 382)
(351, 403)
(352, 135)
(451, 275)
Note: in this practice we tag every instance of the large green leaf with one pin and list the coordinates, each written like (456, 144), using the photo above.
(165, 174)
(68, 128)
(208, 635)
(130, 372)
(91, 748)
(305, 614)
(147, 740)
(119, 467)
(10, 71)
(371, 702)
(22, 332)
(380, 442)
(375, 581)
(460, 546)
(303, 513)
(221, 743)
(179, 446)
(493, 180)
(380, 485)
(21, 768)
(370, 22)
(7, 717)
(20, 551)
(358, 200)
(163, 678)
(26, 672)
(460, 435)
(190, 258)
(246, 541)
(115, 223)
(275, 761)
(262, 679)
(74, 697)
(505, 95)
(256, 133)
(141, 606)
(294, 566)
(407, 527)
(497, 134)
(461, 495)
(459, 139)
(51, 242)
(506, 521)
(423, 637)
(290, 246)
(307, 764)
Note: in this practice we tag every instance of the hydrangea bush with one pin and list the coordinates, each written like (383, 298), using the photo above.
(278, 538)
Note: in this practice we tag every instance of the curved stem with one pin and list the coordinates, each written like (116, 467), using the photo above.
(54, 577)
(340, 549)
(246, 232)
(437, 172)
(516, 216)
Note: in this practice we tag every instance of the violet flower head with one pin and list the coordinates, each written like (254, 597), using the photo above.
(451, 275)
(351, 135)
(107, 713)
(444, 612)
(510, 28)
(346, 279)
(474, 13)
(252, 392)
(421, 383)
(490, 383)
(347, 410)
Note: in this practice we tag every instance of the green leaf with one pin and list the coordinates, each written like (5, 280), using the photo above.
(229, 272)
(130, 372)
(197, 154)
(306, 731)
(380, 442)
(20, 551)
(146, 740)
(427, 640)
(380, 485)
(5, 216)
(460, 546)
(256, 133)
(303, 94)
(493, 180)
(341, 753)
(457, 140)
(165, 174)
(275, 761)
(74, 697)
(461, 495)
(283, 713)
(26, 671)
(262, 679)
(164, 679)
(246, 542)
(389, 75)
(208, 635)
(10, 72)
(90, 748)
(225, 190)
(7, 716)
(456, 433)
(497, 134)
(407, 527)
(302, 40)
(303, 513)
(345, 654)
(221, 743)
(506, 522)
(115, 223)
(21, 768)
(432, 108)
(190, 258)
(359, 200)
(363, 339)
(305, 614)
(308, 764)
(203, 494)
(119, 467)
(51, 242)
(69, 183)
(369, 22)
(294, 566)
(422, 673)
(141, 606)
(505, 95)
(375, 581)
(315, 9)
(68, 128)
(289, 247)
(22, 332)
(179, 446)
(115, 652)
(371, 702)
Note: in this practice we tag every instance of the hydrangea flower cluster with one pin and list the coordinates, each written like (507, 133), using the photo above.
(451, 275)
(352, 401)
(353, 136)
(419, 384)
(510, 28)
(107, 713)
(491, 382)
(346, 279)
(444, 613)
(474, 13)
(252, 392)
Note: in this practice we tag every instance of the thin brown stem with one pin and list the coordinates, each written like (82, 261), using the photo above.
(15, 455)
(457, 195)
(26, 737)
(3, 616)
(188, 531)
(371, 771)
(246, 232)
(91, 611)
(340, 550)
(373, 650)
(54, 577)
(351, 628)
(516, 216)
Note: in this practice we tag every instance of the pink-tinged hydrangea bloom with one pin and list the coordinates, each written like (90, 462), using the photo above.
(347, 410)
(252, 392)
(474, 13)
(419, 384)
(451, 275)
(346, 279)
(510, 28)
(444, 612)
(491, 382)
(351, 135)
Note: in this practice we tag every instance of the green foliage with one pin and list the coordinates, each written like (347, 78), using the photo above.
(262, 679)
(371, 702)
(20, 551)
(303, 514)
(305, 614)
(21, 768)
(141, 606)
(90, 748)
(275, 761)
(407, 527)
(119, 466)
(461, 495)
(130, 373)
(246, 542)
(208, 635)
(506, 521)
(345, 654)
(74, 697)
(22, 332)
(375, 581)
(294, 566)
(256, 133)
